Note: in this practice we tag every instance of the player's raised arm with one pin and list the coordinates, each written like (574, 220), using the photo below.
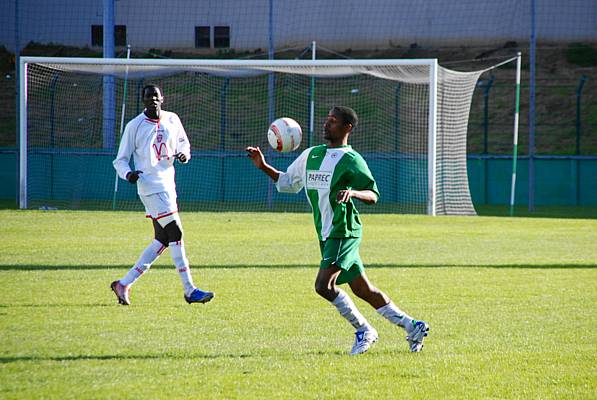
(256, 156)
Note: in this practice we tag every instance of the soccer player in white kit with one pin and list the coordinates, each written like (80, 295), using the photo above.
(155, 139)
(332, 176)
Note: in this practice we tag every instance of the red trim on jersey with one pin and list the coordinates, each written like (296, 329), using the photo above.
(155, 121)
(165, 215)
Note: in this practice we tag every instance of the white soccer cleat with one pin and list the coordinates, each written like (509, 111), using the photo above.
(363, 340)
(415, 337)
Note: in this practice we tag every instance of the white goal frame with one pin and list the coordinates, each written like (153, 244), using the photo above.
(433, 84)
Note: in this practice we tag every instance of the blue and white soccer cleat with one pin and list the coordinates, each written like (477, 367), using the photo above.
(199, 296)
(415, 337)
(363, 340)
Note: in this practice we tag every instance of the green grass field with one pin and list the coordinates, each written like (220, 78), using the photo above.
(511, 303)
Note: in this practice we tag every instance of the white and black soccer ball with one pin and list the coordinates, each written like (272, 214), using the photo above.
(284, 135)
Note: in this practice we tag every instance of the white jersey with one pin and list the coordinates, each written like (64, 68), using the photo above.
(152, 143)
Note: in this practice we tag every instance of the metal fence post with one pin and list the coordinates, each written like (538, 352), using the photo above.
(486, 90)
(581, 84)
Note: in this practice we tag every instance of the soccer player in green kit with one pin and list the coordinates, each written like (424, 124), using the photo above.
(333, 175)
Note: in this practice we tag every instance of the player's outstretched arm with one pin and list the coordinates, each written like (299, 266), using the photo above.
(256, 156)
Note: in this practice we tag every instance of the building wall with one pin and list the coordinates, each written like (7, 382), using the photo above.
(338, 24)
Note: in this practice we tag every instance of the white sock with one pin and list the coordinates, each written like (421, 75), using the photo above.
(349, 311)
(149, 255)
(396, 316)
(182, 265)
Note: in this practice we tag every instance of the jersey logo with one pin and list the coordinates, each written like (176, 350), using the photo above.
(159, 137)
(319, 179)
(158, 151)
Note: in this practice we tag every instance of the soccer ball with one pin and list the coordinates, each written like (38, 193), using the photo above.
(284, 135)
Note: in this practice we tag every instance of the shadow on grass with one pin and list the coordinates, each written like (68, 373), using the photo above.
(289, 266)
(60, 305)
(109, 357)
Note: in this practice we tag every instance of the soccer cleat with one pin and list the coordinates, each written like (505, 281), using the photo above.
(199, 296)
(416, 335)
(363, 340)
(121, 292)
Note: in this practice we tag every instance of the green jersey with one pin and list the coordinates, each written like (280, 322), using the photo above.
(323, 171)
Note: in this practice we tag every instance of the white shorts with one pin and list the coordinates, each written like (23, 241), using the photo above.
(161, 207)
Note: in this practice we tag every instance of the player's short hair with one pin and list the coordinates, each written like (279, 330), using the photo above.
(151, 86)
(347, 114)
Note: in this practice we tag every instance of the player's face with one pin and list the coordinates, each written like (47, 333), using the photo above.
(152, 100)
(334, 128)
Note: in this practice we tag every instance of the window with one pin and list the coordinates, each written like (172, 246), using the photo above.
(202, 37)
(221, 36)
(120, 35)
(97, 35)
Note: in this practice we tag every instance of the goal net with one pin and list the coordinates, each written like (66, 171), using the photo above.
(412, 131)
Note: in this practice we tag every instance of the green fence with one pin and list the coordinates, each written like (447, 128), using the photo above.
(564, 180)
(560, 180)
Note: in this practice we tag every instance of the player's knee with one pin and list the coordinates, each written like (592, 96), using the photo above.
(159, 233)
(162, 237)
(173, 231)
(319, 289)
(323, 289)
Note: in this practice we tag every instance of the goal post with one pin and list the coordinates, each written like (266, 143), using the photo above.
(432, 138)
(23, 181)
(412, 131)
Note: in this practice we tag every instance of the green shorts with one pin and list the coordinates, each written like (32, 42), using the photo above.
(344, 253)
